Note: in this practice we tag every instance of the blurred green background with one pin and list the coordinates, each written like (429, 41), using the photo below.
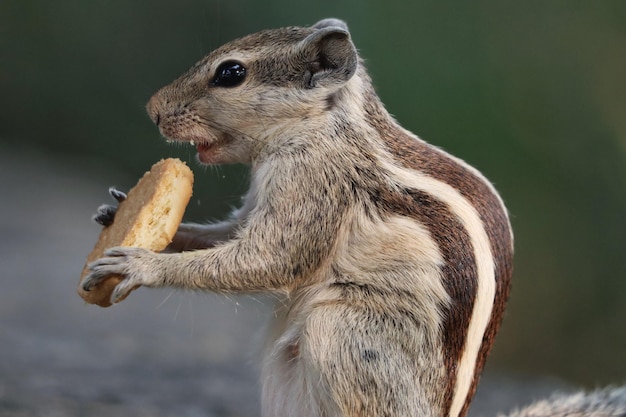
(532, 93)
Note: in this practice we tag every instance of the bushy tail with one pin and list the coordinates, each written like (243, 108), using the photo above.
(608, 402)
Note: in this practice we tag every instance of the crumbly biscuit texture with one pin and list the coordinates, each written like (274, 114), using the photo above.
(148, 218)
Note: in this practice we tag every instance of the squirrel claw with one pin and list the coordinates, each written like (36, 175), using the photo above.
(105, 215)
(117, 194)
(106, 212)
(128, 262)
(102, 268)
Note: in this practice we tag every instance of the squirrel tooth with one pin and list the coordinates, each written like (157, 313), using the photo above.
(192, 143)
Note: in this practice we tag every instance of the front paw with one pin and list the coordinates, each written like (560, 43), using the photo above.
(106, 212)
(136, 266)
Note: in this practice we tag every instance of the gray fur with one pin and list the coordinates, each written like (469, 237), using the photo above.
(331, 22)
(608, 402)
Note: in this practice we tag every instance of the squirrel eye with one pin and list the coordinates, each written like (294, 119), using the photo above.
(229, 74)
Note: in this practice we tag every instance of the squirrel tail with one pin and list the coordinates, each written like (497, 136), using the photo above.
(606, 402)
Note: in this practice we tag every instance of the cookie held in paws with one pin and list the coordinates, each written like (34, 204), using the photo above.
(147, 218)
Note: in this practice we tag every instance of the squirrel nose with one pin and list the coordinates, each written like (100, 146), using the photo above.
(153, 109)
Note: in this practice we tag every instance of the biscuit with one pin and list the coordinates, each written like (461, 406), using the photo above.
(147, 218)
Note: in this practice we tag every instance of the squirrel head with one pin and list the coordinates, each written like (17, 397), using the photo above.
(234, 100)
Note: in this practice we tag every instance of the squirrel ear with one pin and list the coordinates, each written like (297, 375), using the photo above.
(331, 58)
(331, 22)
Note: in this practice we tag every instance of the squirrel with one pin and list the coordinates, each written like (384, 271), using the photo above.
(393, 258)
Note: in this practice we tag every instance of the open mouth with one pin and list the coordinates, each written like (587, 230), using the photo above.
(207, 149)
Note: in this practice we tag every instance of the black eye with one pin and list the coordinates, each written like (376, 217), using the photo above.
(229, 74)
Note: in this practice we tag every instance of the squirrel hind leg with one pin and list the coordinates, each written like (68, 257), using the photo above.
(292, 387)
(336, 367)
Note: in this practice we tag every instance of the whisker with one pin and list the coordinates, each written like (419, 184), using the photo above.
(167, 297)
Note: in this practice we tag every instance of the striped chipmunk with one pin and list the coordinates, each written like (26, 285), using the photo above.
(391, 259)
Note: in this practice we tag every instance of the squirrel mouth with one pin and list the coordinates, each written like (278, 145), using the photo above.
(207, 149)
